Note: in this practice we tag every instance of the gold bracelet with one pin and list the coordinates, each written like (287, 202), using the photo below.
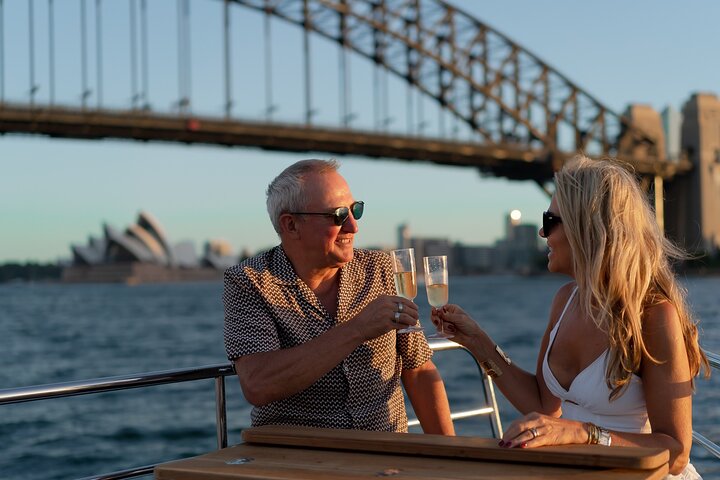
(593, 433)
(491, 368)
(502, 354)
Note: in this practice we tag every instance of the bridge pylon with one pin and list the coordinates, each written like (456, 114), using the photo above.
(692, 207)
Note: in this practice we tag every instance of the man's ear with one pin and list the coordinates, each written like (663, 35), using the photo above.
(289, 226)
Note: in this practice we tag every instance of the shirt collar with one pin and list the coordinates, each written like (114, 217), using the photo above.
(282, 269)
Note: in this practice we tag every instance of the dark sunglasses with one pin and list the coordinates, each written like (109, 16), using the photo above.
(341, 213)
(550, 221)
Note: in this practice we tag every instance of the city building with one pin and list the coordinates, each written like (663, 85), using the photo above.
(403, 236)
(518, 252)
(473, 259)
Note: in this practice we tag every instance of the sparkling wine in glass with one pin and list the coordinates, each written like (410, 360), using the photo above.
(436, 285)
(405, 282)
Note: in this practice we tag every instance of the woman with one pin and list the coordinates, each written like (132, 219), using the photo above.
(620, 351)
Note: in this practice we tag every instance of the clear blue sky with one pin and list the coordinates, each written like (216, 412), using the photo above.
(57, 192)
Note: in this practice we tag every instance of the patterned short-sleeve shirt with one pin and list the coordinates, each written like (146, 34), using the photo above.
(268, 307)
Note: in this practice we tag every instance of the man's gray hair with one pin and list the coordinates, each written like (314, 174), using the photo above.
(287, 192)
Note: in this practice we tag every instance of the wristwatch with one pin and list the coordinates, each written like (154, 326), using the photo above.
(598, 435)
(604, 437)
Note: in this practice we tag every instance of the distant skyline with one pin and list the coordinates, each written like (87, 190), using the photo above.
(55, 192)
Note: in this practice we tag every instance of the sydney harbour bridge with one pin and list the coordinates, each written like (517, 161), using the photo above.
(470, 96)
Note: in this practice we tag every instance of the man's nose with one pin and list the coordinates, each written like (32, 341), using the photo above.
(350, 225)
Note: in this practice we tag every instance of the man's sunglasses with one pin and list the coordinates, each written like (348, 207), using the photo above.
(341, 213)
(550, 221)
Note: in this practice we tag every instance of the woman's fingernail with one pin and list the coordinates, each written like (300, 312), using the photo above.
(501, 443)
(523, 445)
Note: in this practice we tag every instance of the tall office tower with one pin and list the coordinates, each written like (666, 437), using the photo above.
(512, 220)
(692, 207)
(403, 236)
(672, 124)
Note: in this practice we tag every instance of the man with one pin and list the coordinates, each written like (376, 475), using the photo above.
(311, 324)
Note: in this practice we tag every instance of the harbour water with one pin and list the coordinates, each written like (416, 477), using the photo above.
(54, 333)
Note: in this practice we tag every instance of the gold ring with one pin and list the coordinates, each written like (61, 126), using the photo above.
(534, 432)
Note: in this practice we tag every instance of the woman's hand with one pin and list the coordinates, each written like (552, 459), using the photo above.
(536, 429)
(457, 322)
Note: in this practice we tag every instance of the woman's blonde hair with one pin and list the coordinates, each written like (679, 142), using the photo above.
(621, 262)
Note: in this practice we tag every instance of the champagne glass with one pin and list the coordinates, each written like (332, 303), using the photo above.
(405, 282)
(436, 284)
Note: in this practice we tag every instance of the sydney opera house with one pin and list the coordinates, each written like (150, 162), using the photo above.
(142, 253)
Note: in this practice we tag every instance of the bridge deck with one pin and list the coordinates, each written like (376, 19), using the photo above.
(512, 161)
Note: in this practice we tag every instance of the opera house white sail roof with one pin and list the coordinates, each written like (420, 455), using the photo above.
(145, 242)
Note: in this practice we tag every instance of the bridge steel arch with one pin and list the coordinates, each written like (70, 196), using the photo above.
(501, 90)
(530, 117)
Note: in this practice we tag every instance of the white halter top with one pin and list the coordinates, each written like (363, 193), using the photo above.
(587, 398)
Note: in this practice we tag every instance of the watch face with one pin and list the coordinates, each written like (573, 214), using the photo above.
(605, 438)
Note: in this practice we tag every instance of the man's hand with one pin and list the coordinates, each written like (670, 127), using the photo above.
(385, 313)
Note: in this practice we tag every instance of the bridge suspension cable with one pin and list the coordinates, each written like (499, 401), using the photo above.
(2, 52)
(85, 92)
(267, 30)
(51, 50)
(184, 56)
(144, 50)
(226, 58)
(98, 53)
(134, 95)
(31, 49)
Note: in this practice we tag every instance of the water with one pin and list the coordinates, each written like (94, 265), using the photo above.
(55, 333)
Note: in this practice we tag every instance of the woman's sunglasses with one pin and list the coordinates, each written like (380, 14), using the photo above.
(341, 213)
(550, 221)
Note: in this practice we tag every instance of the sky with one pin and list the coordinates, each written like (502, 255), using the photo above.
(56, 192)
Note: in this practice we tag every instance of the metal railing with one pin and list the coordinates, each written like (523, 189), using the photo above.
(217, 372)
(126, 382)
(491, 408)
(699, 438)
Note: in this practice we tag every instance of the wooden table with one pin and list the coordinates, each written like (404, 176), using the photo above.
(284, 453)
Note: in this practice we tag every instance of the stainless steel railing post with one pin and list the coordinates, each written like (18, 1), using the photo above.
(491, 406)
(221, 412)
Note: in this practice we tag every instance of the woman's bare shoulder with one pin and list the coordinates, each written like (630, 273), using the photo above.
(559, 301)
(660, 316)
(662, 329)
